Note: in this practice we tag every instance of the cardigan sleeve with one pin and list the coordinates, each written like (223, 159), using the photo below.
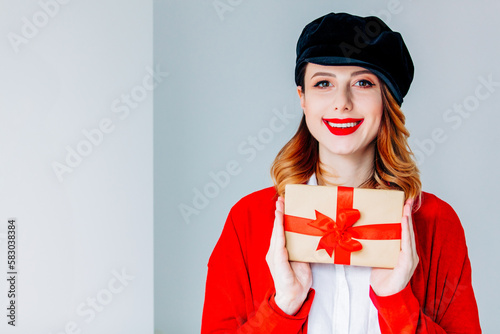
(231, 306)
(439, 297)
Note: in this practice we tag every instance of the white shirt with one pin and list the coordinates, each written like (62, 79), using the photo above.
(342, 302)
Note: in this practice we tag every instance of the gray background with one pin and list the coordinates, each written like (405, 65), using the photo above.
(230, 73)
(77, 233)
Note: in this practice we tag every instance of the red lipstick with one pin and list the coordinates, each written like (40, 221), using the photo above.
(342, 126)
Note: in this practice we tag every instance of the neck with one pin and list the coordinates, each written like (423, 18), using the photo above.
(347, 170)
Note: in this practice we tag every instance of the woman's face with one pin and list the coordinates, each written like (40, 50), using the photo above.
(343, 108)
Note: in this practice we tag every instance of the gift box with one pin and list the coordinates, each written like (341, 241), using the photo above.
(343, 225)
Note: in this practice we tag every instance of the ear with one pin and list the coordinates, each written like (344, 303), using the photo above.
(301, 96)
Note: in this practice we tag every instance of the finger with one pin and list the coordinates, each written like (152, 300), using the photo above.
(409, 204)
(412, 232)
(303, 273)
(405, 228)
(278, 226)
(407, 207)
(405, 236)
(280, 204)
(272, 243)
(413, 241)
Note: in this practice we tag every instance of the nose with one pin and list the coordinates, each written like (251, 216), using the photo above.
(342, 100)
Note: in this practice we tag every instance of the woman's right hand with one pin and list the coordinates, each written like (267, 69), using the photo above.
(292, 280)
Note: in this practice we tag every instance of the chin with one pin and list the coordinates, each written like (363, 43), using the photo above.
(340, 150)
(345, 150)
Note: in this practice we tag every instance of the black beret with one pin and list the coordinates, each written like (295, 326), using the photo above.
(345, 39)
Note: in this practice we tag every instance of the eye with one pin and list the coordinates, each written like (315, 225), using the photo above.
(323, 84)
(364, 83)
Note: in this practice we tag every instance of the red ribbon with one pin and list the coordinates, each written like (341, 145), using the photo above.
(337, 235)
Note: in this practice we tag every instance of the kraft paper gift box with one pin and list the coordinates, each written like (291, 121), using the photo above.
(343, 225)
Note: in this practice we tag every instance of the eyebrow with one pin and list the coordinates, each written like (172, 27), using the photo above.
(324, 74)
(328, 74)
(361, 72)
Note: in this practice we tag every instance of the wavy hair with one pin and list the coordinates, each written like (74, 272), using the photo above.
(393, 168)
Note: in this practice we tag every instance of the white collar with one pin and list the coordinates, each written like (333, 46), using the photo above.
(312, 180)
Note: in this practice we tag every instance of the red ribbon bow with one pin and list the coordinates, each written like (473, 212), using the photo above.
(337, 235)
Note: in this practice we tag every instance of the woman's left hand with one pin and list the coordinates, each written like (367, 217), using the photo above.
(387, 282)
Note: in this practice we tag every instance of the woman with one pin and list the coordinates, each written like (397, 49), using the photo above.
(352, 74)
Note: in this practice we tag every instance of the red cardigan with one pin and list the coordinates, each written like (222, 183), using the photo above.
(239, 289)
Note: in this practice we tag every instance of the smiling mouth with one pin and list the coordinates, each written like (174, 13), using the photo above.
(343, 127)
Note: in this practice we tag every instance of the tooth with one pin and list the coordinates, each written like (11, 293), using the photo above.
(342, 125)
